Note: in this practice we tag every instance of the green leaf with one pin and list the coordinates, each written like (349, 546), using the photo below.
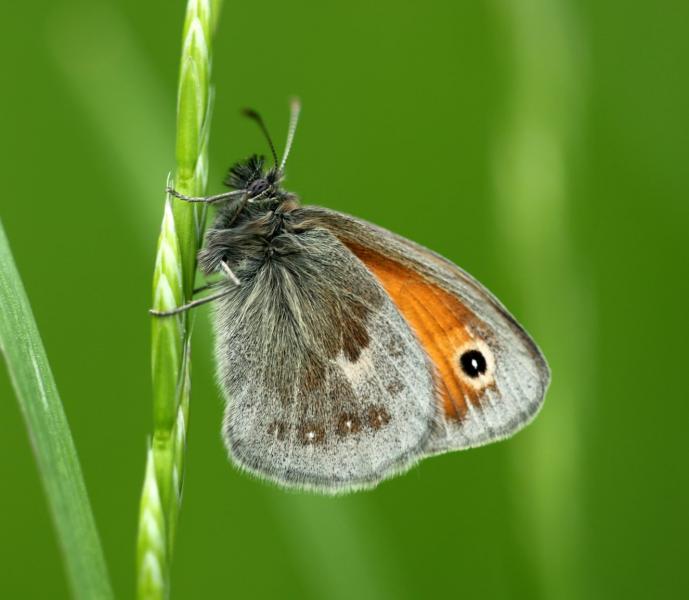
(50, 436)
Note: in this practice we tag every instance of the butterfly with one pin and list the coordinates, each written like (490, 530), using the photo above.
(347, 353)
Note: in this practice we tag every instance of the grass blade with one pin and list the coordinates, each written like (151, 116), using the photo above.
(50, 436)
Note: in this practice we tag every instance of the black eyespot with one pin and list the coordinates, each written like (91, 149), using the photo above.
(473, 363)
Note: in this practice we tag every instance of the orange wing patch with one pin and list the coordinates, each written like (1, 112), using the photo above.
(440, 322)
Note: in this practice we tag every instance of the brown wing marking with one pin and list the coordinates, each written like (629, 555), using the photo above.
(440, 320)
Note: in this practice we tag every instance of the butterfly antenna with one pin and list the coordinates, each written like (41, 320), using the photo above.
(295, 109)
(254, 116)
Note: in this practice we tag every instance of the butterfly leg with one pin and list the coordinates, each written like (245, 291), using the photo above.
(204, 199)
(188, 305)
(206, 287)
(194, 303)
(237, 208)
(230, 274)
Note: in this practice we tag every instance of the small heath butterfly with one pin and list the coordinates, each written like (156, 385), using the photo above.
(348, 353)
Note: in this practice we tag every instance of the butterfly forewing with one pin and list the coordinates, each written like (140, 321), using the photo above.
(490, 376)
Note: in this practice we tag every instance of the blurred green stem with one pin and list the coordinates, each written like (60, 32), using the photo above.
(534, 160)
(173, 280)
(51, 439)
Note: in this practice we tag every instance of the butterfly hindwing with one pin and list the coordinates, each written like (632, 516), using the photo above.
(328, 387)
(490, 376)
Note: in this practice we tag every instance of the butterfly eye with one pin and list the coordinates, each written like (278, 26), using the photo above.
(473, 363)
(257, 187)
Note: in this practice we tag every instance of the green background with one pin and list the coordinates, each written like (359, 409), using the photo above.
(541, 144)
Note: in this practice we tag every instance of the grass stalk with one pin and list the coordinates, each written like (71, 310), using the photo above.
(534, 164)
(51, 439)
(173, 279)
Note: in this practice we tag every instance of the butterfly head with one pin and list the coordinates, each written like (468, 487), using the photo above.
(252, 176)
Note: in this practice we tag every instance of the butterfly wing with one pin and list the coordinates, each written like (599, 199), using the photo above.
(328, 388)
(491, 377)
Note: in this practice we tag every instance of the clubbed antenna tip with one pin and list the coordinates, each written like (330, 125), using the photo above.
(295, 109)
(254, 116)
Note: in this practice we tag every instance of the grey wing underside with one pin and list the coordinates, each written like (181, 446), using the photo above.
(328, 388)
(522, 374)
